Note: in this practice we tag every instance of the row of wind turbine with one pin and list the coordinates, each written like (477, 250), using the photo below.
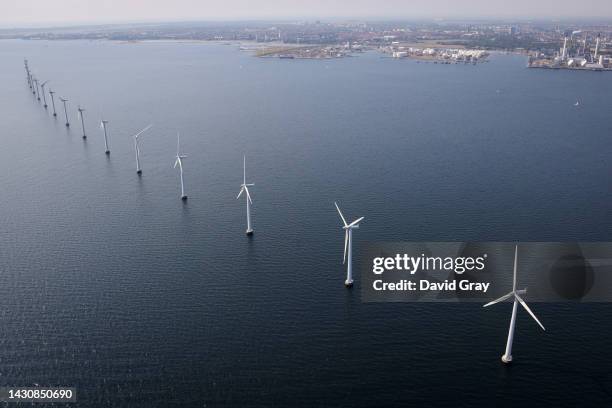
(348, 228)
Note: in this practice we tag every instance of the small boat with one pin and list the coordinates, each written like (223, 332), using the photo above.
(577, 103)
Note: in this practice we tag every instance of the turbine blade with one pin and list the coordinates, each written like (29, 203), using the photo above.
(176, 162)
(178, 143)
(515, 267)
(240, 193)
(143, 130)
(345, 245)
(357, 221)
(501, 299)
(248, 194)
(340, 212)
(522, 302)
(244, 169)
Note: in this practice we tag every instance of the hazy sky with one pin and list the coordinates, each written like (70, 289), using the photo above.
(28, 12)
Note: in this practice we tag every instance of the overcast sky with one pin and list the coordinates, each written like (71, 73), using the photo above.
(35, 12)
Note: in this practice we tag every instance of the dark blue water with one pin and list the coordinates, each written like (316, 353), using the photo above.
(109, 283)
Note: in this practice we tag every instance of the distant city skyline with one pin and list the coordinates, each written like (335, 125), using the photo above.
(40, 12)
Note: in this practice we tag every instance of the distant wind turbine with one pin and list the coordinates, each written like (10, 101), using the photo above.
(348, 245)
(103, 124)
(36, 89)
(28, 75)
(64, 100)
(507, 357)
(52, 102)
(179, 162)
(81, 110)
(244, 188)
(136, 138)
(42, 87)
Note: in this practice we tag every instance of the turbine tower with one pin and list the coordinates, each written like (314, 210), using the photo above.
(52, 102)
(507, 357)
(103, 124)
(42, 87)
(136, 138)
(179, 162)
(64, 100)
(81, 110)
(348, 245)
(244, 187)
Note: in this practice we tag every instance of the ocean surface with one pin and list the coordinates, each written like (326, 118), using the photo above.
(111, 284)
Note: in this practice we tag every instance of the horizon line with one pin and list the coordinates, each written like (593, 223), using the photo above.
(293, 19)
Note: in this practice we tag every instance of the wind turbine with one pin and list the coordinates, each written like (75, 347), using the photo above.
(507, 357)
(136, 136)
(36, 89)
(103, 124)
(42, 86)
(179, 162)
(244, 187)
(52, 102)
(81, 110)
(28, 75)
(348, 244)
(64, 100)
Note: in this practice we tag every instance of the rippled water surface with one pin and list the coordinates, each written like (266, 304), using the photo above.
(109, 283)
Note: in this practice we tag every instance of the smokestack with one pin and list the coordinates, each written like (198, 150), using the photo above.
(563, 54)
(597, 46)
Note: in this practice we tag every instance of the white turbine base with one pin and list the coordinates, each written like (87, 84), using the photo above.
(249, 231)
(348, 283)
(506, 359)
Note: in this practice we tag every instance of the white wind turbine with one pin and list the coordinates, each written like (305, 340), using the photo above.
(348, 245)
(64, 100)
(42, 86)
(103, 124)
(507, 357)
(136, 138)
(244, 187)
(52, 102)
(81, 110)
(179, 162)
(36, 91)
